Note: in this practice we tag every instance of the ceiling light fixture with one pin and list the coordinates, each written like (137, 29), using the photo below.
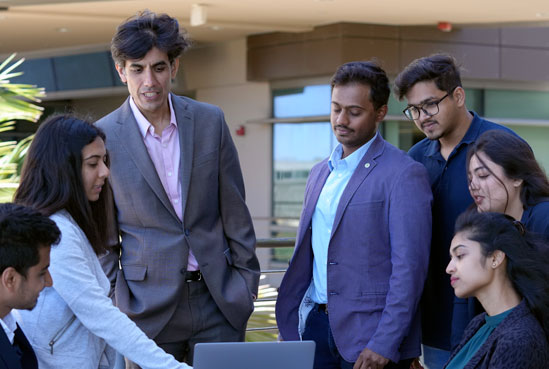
(198, 15)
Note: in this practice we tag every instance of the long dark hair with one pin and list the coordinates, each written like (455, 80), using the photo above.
(51, 178)
(527, 256)
(518, 162)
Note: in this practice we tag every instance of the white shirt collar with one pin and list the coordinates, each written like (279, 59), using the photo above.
(10, 325)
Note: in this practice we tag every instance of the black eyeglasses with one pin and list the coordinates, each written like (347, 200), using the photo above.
(429, 108)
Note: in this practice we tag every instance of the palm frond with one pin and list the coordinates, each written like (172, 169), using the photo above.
(17, 102)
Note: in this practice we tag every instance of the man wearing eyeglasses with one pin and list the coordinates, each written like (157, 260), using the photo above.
(436, 103)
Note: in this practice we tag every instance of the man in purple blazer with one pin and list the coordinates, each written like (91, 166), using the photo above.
(362, 248)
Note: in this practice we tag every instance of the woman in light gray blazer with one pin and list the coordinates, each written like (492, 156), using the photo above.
(75, 324)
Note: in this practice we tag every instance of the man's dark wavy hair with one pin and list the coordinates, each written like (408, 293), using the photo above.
(442, 69)
(23, 231)
(366, 73)
(139, 34)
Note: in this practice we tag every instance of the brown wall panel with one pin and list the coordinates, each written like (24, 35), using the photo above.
(482, 62)
(275, 38)
(321, 56)
(369, 30)
(276, 62)
(525, 37)
(520, 64)
(385, 51)
(516, 54)
(485, 36)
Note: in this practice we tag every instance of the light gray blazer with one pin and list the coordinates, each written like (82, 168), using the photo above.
(216, 225)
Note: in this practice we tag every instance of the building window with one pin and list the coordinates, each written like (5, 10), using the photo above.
(298, 146)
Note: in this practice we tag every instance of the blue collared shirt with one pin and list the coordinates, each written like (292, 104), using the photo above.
(447, 315)
(341, 171)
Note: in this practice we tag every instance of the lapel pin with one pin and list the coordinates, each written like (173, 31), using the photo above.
(367, 165)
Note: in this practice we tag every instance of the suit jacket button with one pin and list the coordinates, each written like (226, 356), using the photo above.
(187, 232)
(183, 271)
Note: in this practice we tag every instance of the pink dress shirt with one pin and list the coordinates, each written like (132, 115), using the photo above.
(165, 154)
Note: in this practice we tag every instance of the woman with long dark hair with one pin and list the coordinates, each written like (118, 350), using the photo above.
(75, 324)
(505, 177)
(495, 260)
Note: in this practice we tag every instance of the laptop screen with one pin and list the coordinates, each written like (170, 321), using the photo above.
(254, 355)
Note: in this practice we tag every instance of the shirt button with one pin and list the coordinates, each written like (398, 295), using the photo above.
(169, 174)
(176, 201)
(164, 145)
(339, 175)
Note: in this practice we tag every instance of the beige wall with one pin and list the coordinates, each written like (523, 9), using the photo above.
(95, 108)
(217, 74)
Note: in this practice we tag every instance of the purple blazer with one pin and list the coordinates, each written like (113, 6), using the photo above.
(377, 256)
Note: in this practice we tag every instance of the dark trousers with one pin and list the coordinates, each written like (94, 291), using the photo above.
(196, 319)
(317, 328)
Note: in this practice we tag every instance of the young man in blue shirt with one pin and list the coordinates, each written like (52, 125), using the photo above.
(362, 246)
(436, 103)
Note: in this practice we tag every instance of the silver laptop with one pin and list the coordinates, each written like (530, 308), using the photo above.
(254, 355)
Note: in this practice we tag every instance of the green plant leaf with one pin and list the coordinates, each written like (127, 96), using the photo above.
(17, 102)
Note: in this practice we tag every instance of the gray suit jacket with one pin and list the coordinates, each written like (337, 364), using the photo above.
(216, 225)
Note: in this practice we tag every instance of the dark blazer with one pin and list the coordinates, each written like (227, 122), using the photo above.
(8, 356)
(377, 256)
(216, 224)
(517, 343)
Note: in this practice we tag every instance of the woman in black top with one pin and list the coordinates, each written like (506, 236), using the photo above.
(505, 177)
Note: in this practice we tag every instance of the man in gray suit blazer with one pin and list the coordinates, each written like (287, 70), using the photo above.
(187, 271)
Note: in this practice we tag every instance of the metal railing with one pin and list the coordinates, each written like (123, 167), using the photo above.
(263, 301)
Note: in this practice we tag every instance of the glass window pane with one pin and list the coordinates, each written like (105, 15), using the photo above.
(309, 101)
(297, 147)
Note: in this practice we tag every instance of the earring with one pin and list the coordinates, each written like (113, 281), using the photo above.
(494, 265)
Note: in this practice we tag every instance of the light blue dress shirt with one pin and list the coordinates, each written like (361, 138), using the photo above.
(341, 171)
